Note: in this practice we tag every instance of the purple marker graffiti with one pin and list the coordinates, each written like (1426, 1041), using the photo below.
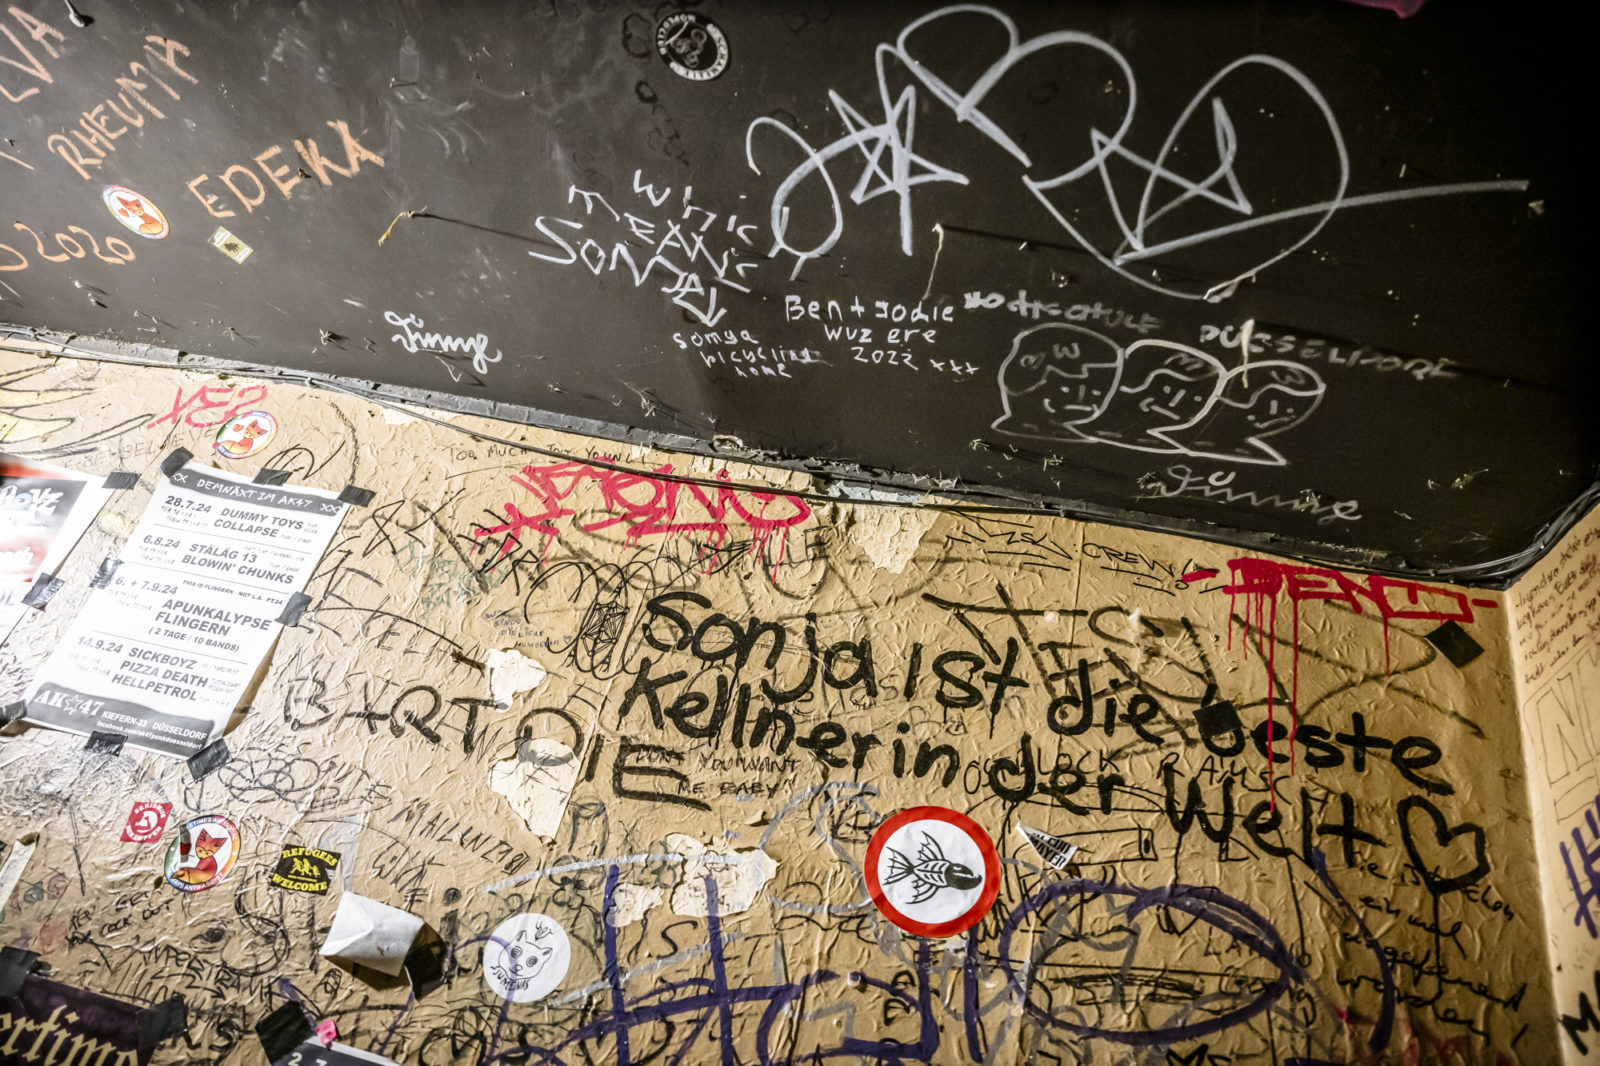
(1209, 905)
(1587, 886)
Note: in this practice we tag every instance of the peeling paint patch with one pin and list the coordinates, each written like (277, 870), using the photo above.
(116, 523)
(17, 861)
(511, 673)
(537, 783)
(630, 902)
(889, 536)
(739, 876)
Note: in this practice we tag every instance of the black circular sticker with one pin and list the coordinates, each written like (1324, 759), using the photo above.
(692, 45)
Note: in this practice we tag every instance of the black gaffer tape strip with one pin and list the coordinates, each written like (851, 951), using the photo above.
(1455, 644)
(208, 758)
(284, 1030)
(294, 609)
(268, 476)
(356, 496)
(108, 570)
(175, 460)
(105, 743)
(425, 962)
(43, 590)
(118, 480)
(161, 1022)
(1217, 718)
(15, 966)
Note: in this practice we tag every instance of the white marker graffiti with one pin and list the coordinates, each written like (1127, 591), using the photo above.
(1172, 212)
(1066, 383)
(684, 283)
(412, 339)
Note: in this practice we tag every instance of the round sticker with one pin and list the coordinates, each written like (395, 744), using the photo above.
(526, 957)
(932, 871)
(135, 212)
(692, 45)
(244, 435)
(203, 853)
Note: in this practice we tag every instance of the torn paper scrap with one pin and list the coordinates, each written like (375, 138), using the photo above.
(630, 902)
(335, 1054)
(371, 934)
(511, 673)
(1055, 851)
(44, 509)
(738, 875)
(537, 782)
(16, 862)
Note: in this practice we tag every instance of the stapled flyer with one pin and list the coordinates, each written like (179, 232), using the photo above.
(171, 638)
(44, 509)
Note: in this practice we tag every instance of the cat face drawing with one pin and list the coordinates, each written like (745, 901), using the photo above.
(206, 845)
(247, 439)
(524, 958)
(202, 854)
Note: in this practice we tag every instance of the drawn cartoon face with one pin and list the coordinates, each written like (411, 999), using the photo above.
(526, 957)
(529, 950)
(1285, 398)
(1253, 402)
(1179, 390)
(1162, 386)
(1057, 376)
(206, 845)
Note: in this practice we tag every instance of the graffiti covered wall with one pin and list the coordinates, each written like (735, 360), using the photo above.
(1558, 670)
(647, 756)
(1171, 265)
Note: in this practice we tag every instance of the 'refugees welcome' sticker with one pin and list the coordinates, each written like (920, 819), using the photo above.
(302, 869)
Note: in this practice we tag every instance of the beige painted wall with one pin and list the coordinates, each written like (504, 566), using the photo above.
(1175, 936)
(1557, 623)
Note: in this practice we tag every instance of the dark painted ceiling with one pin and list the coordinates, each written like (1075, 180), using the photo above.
(1297, 275)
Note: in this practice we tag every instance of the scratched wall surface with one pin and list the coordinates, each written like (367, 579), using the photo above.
(736, 683)
(1556, 625)
(1305, 271)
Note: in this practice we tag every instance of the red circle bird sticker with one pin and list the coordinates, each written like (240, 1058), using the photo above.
(932, 871)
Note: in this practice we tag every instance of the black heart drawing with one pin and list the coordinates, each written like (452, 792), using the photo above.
(1443, 835)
